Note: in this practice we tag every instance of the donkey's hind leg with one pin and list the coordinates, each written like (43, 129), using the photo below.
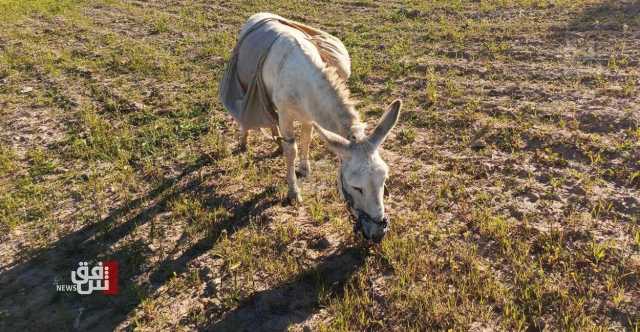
(244, 137)
(275, 132)
(305, 139)
(290, 152)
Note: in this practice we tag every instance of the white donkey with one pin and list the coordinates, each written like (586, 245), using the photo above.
(302, 87)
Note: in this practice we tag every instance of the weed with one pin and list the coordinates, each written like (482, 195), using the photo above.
(407, 136)
(7, 160)
(431, 91)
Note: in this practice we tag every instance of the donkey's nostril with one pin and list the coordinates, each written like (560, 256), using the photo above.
(377, 238)
(384, 222)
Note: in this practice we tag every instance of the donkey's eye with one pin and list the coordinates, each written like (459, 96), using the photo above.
(358, 190)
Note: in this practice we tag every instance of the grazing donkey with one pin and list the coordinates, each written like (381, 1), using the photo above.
(301, 73)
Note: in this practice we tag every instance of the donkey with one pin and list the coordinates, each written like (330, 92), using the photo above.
(305, 89)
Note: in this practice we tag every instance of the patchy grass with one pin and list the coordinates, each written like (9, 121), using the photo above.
(514, 189)
(16, 9)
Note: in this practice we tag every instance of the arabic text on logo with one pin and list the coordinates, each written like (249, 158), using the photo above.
(101, 277)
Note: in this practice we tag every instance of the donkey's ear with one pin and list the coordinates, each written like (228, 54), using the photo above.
(336, 143)
(387, 123)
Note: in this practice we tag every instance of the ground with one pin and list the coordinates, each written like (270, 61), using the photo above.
(514, 185)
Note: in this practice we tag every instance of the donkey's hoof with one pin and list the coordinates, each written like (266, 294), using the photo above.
(304, 168)
(242, 148)
(303, 172)
(294, 198)
(278, 151)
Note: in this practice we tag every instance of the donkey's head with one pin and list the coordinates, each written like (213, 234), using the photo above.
(362, 174)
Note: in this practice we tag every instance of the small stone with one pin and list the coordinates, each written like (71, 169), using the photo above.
(138, 106)
(634, 262)
(26, 89)
(478, 144)
(215, 302)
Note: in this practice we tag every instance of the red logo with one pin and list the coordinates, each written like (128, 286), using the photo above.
(111, 270)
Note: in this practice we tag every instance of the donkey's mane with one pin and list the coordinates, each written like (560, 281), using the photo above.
(337, 87)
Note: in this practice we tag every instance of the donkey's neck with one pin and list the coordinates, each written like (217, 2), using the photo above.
(340, 120)
(330, 109)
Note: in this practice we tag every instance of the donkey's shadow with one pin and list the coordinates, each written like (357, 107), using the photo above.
(28, 296)
(29, 299)
(294, 301)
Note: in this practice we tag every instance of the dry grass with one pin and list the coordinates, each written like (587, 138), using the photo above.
(515, 183)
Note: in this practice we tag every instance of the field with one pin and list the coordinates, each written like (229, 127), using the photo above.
(514, 185)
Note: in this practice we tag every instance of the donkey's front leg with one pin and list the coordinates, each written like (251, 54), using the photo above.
(290, 151)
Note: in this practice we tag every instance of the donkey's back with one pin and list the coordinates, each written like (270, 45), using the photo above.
(319, 46)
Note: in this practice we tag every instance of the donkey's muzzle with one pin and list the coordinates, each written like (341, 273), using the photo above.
(371, 229)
